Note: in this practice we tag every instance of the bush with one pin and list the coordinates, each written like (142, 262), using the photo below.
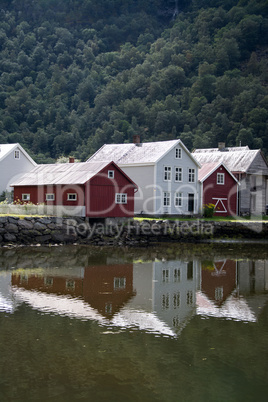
(208, 210)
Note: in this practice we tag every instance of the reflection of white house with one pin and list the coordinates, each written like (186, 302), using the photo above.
(14, 161)
(165, 172)
(167, 289)
(7, 303)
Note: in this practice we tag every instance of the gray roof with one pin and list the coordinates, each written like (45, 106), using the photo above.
(144, 153)
(61, 173)
(229, 149)
(243, 161)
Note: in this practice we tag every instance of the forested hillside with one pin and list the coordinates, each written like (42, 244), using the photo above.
(76, 74)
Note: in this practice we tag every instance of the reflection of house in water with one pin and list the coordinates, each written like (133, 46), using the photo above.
(167, 289)
(226, 285)
(7, 304)
(106, 288)
(156, 296)
(219, 279)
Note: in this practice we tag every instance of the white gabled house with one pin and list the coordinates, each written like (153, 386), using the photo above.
(14, 161)
(165, 171)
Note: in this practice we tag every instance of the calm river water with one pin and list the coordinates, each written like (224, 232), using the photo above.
(167, 323)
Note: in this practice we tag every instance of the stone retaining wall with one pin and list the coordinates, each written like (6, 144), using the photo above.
(53, 230)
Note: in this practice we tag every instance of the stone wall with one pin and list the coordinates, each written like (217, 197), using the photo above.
(53, 230)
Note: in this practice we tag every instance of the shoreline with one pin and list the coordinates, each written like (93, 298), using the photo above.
(115, 232)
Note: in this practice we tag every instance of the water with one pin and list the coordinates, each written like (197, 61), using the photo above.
(171, 323)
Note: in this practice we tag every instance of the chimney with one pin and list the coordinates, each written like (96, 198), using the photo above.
(136, 140)
(71, 159)
(221, 146)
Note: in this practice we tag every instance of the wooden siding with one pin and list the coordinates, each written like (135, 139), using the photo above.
(38, 194)
(225, 196)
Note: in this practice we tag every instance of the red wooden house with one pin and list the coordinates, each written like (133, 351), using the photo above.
(92, 189)
(218, 186)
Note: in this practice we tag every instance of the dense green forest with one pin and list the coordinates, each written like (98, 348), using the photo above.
(75, 74)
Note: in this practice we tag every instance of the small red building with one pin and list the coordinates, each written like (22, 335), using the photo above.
(218, 186)
(92, 189)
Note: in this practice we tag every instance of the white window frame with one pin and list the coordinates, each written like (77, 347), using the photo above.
(111, 174)
(70, 195)
(16, 154)
(166, 199)
(165, 275)
(167, 173)
(48, 195)
(178, 153)
(25, 197)
(221, 178)
(178, 199)
(121, 198)
(178, 174)
(191, 175)
(120, 283)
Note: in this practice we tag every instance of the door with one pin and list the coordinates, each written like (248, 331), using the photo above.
(190, 202)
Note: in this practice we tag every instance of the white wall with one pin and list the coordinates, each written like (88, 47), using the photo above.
(11, 169)
(171, 186)
(143, 176)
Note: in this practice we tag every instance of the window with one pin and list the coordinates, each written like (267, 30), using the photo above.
(119, 283)
(50, 197)
(166, 199)
(25, 197)
(178, 200)
(191, 175)
(165, 275)
(190, 297)
(48, 281)
(176, 300)
(167, 173)
(121, 198)
(219, 293)
(70, 284)
(178, 174)
(165, 301)
(177, 275)
(178, 153)
(111, 174)
(220, 178)
(108, 308)
(71, 196)
(17, 154)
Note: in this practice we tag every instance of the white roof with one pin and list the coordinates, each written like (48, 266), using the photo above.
(61, 173)
(143, 153)
(6, 149)
(235, 161)
(208, 168)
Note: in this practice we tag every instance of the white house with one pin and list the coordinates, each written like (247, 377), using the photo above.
(14, 161)
(165, 172)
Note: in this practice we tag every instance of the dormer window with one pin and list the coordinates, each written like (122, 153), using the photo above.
(178, 153)
(17, 154)
(111, 174)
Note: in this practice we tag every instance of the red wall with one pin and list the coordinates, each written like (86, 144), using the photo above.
(98, 194)
(38, 194)
(212, 190)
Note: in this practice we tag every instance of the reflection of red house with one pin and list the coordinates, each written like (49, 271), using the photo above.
(218, 279)
(72, 286)
(106, 288)
(218, 187)
(94, 189)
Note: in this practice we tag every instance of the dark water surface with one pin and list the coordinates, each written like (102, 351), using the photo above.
(168, 323)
